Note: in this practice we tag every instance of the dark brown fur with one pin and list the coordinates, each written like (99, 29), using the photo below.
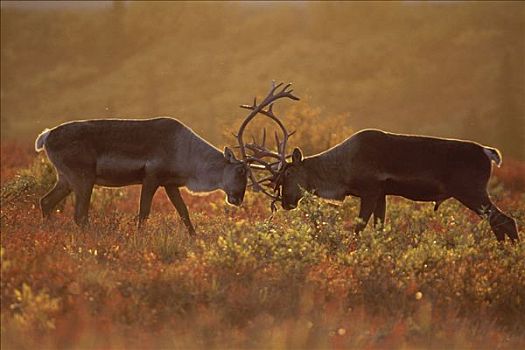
(373, 164)
(153, 153)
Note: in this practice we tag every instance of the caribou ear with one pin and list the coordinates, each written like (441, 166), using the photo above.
(228, 154)
(297, 156)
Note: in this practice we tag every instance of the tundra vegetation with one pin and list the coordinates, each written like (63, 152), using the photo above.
(299, 280)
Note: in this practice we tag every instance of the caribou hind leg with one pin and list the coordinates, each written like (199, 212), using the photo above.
(76, 174)
(82, 188)
(500, 223)
(175, 198)
(53, 197)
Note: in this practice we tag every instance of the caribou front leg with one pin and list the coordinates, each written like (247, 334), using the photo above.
(175, 198)
(380, 212)
(367, 207)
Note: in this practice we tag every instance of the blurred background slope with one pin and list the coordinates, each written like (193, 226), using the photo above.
(444, 69)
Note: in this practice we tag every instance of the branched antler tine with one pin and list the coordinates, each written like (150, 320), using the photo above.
(260, 152)
(281, 145)
(267, 178)
(293, 132)
(257, 186)
(274, 87)
(286, 87)
(288, 156)
(262, 162)
(254, 110)
(260, 182)
(251, 147)
(288, 93)
(277, 142)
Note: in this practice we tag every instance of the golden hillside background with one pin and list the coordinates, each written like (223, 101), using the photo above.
(444, 69)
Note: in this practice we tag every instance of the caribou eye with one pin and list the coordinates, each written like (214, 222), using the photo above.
(287, 172)
(241, 171)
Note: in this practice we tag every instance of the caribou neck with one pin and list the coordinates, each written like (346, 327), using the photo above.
(323, 177)
(208, 169)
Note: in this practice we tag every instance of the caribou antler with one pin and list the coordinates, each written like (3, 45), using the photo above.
(260, 151)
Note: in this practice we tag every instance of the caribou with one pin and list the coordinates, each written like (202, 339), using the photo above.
(373, 164)
(159, 152)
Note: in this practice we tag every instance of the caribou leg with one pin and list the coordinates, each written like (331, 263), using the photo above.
(367, 207)
(53, 197)
(380, 211)
(500, 223)
(146, 197)
(175, 198)
(82, 189)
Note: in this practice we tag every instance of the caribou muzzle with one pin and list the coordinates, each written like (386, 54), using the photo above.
(235, 199)
(288, 206)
